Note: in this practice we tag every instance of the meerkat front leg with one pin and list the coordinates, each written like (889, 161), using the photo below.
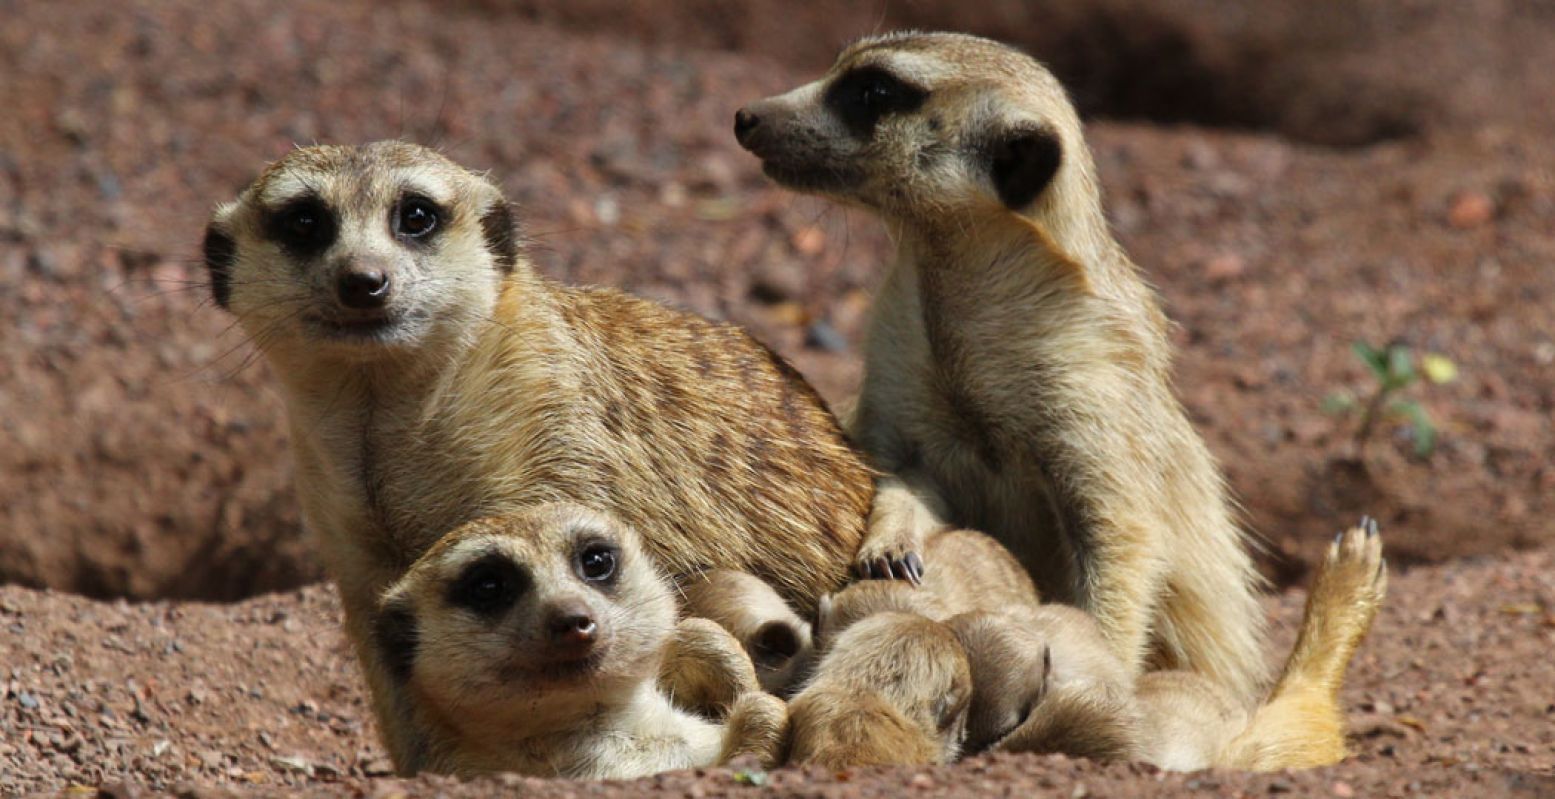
(705, 669)
(905, 512)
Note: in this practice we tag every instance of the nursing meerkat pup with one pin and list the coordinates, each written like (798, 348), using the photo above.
(1050, 683)
(972, 572)
(776, 639)
(530, 642)
(1017, 370)
(893, 689)
(431, 377)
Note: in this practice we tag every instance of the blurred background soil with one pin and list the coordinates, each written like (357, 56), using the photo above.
(1293, 176)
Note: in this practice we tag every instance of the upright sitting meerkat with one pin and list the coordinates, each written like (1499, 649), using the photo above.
(431, 377)
(529, 641)
(1049, 683)
(1017, 370)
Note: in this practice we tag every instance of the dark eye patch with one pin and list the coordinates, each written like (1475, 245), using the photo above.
(863, 96)
(489, 586)
(303, 227)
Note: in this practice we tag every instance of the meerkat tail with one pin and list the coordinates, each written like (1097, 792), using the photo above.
(1302, 723)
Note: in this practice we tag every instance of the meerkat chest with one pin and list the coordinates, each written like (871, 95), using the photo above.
(647, 737)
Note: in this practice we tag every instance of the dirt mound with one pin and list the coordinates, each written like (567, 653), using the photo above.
(144, 452)
(1449, 697)
(1331, 72)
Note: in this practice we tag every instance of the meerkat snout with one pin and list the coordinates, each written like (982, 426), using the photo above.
(364, 284)
(573, 629)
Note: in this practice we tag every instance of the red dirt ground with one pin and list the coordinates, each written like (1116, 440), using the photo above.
(1293, 180)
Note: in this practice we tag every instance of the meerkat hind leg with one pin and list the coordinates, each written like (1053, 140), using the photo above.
(1302, 723)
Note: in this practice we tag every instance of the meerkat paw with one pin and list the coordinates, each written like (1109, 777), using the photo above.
(757, 726)
(1352, 581)
(705, 669)
(899, 522)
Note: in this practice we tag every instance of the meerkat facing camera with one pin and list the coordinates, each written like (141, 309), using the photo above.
(431, 376)
(1017, 368)
(530, 641)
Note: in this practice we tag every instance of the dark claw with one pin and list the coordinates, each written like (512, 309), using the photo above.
(1371, 526)
(915, 565)
(1339, 536)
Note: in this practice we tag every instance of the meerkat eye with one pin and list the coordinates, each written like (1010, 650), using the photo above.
(862, 96)
(416, 217)
(303, 226)
(597, 563)
(487, 586)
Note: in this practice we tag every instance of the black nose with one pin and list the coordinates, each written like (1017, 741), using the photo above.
(363, 289)
(573, 628)
(744, 123)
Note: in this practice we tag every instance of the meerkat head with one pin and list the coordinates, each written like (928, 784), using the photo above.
(916, 125)
(359, 251)
(892, 690)
(515, 618)
(1011, 665)
(837, 612)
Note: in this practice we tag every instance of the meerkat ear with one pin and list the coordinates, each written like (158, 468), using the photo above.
(220, 252)
(395, 634)
(1021, 162)
(500, 228)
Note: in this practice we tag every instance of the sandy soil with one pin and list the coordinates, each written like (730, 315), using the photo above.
(1291, 183)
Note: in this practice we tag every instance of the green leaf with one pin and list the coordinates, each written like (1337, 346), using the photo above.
(752, 778)
(1400, 367)
(1374, 358)
(1420, 423)
(1339, 402)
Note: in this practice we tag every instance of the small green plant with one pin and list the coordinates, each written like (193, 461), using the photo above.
(1395, 369)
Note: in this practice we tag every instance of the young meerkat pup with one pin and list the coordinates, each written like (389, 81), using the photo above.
(1017, 369)
(892, 689)
(530, 642)
(972, 572)
(1051, 684)
(776, 639)
(431, 377)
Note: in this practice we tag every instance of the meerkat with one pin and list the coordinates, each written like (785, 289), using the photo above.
(973, 572)
(776, 639)
(1017, 366)
(893, 689)
(431, 376)
(529, 641)
(1050, 683)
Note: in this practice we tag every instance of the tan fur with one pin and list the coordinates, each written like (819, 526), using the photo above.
(497, 691)
(1017, 376)
(497, 389)
(1049, 683)
(893, 689)
(972, 572)
(776, 639)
